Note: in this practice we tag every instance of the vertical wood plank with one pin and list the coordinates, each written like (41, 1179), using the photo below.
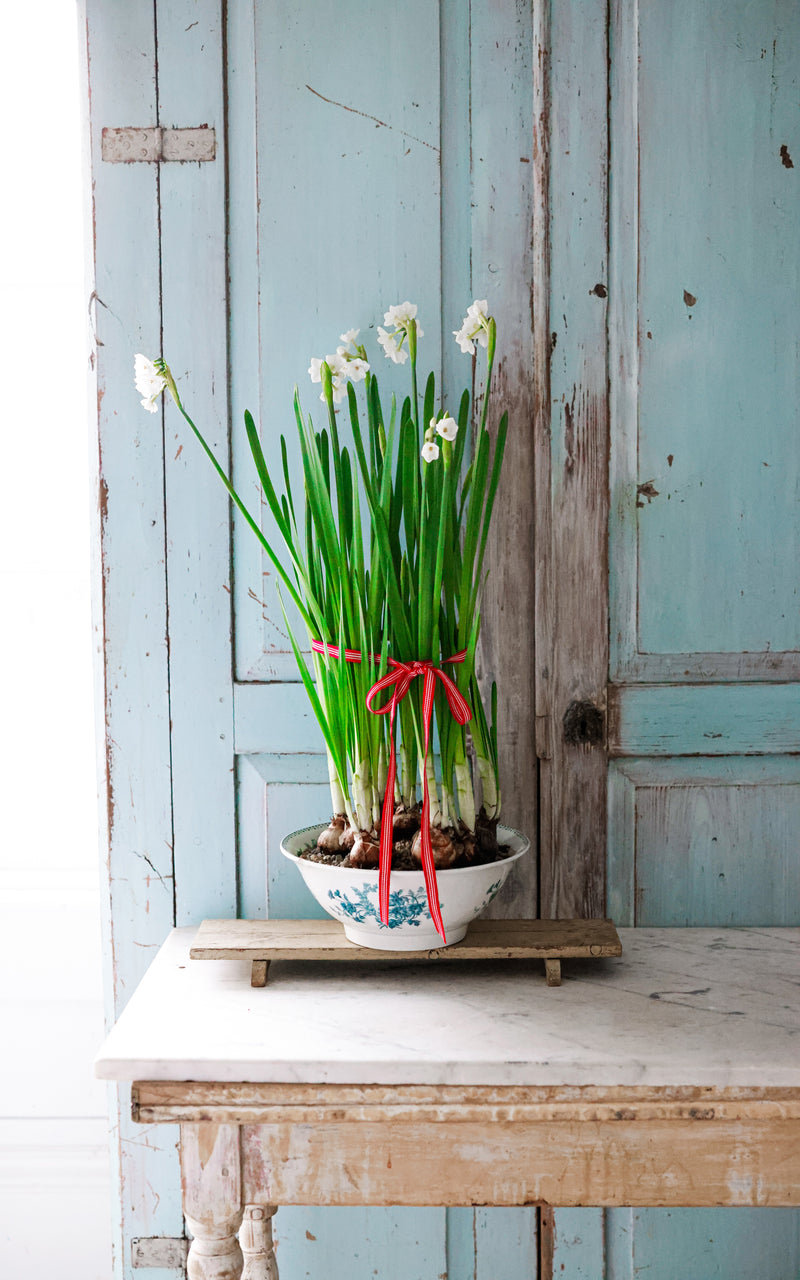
(572, 655)
(360, 1244)
(502, 266)
(623, 328)
(456, 188)
(487, 1243)
(243, 332)
(717, 1244)
(505, 1244)
(130, 614)
(194, 319)
(251, 840)
(572, 502)
(621, 863)
(619, 1233)
(578, 1244)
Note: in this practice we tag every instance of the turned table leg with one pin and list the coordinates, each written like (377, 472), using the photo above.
(212, 1200)
(255, 1237)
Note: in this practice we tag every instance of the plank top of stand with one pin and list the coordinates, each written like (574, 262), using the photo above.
(325, 940)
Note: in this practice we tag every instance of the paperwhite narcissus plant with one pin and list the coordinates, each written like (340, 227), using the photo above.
(397, 582)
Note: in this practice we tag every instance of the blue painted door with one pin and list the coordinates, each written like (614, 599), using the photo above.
(696, 797)
(622, 188)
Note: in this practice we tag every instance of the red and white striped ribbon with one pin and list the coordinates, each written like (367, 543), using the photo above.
(401, 676)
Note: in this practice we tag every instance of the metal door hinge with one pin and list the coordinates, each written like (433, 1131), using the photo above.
(159, 1251)
(152, 146)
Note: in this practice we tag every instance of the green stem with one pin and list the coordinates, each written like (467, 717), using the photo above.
(490, 350)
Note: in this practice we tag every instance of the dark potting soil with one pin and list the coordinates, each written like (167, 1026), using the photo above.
(402, 859)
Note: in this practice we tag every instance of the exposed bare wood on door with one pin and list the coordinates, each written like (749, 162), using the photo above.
(572, 434)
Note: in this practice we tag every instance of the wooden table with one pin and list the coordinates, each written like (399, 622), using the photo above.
(670, 1076)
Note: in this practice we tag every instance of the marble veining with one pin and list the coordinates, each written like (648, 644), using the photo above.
(680, 1007)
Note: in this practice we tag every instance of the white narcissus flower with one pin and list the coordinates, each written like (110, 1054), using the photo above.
(401, 316)
(390, 346)
(350, 336)
(342, 366)
(149, 382)
(446, 427)
(474, 327)
(430, 451)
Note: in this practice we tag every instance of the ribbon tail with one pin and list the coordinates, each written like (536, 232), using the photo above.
(428, 867)
(387, 824)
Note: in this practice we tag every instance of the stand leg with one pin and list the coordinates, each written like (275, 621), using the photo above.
(255, 1237)
(212, 1200)
(258, 973)
(552, 972)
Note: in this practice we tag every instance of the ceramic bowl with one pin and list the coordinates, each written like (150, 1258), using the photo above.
(351, 895)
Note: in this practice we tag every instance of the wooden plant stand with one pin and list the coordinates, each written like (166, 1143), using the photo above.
(262, 941)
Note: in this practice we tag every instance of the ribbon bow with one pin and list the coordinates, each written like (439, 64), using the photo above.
(401, 676)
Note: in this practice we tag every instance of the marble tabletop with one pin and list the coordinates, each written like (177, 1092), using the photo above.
(679, 1007)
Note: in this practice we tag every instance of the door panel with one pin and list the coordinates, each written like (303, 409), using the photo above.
(707, 1244)
(338, 160)
(703, 354)
(717, 306)
(711, 842)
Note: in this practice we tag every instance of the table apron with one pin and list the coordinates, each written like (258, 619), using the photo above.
(564, 1163)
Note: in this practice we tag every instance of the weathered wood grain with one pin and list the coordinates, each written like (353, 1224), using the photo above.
(212, 1200)
(247, 1103)
(572, 462)
(503, 255)
(707, 720)
(194, 339)
(685, 834)
(626, 1162)
(130, 588)
(255, 1239)
(266, 940)
(703, 379)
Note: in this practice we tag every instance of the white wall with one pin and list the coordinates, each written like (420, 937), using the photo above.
(54, 1175)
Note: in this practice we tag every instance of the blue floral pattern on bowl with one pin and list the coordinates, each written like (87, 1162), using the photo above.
(406, 906)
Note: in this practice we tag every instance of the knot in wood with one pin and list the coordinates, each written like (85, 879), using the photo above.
(584, 724)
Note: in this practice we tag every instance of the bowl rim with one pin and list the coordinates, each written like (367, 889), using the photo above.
(373, 873)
